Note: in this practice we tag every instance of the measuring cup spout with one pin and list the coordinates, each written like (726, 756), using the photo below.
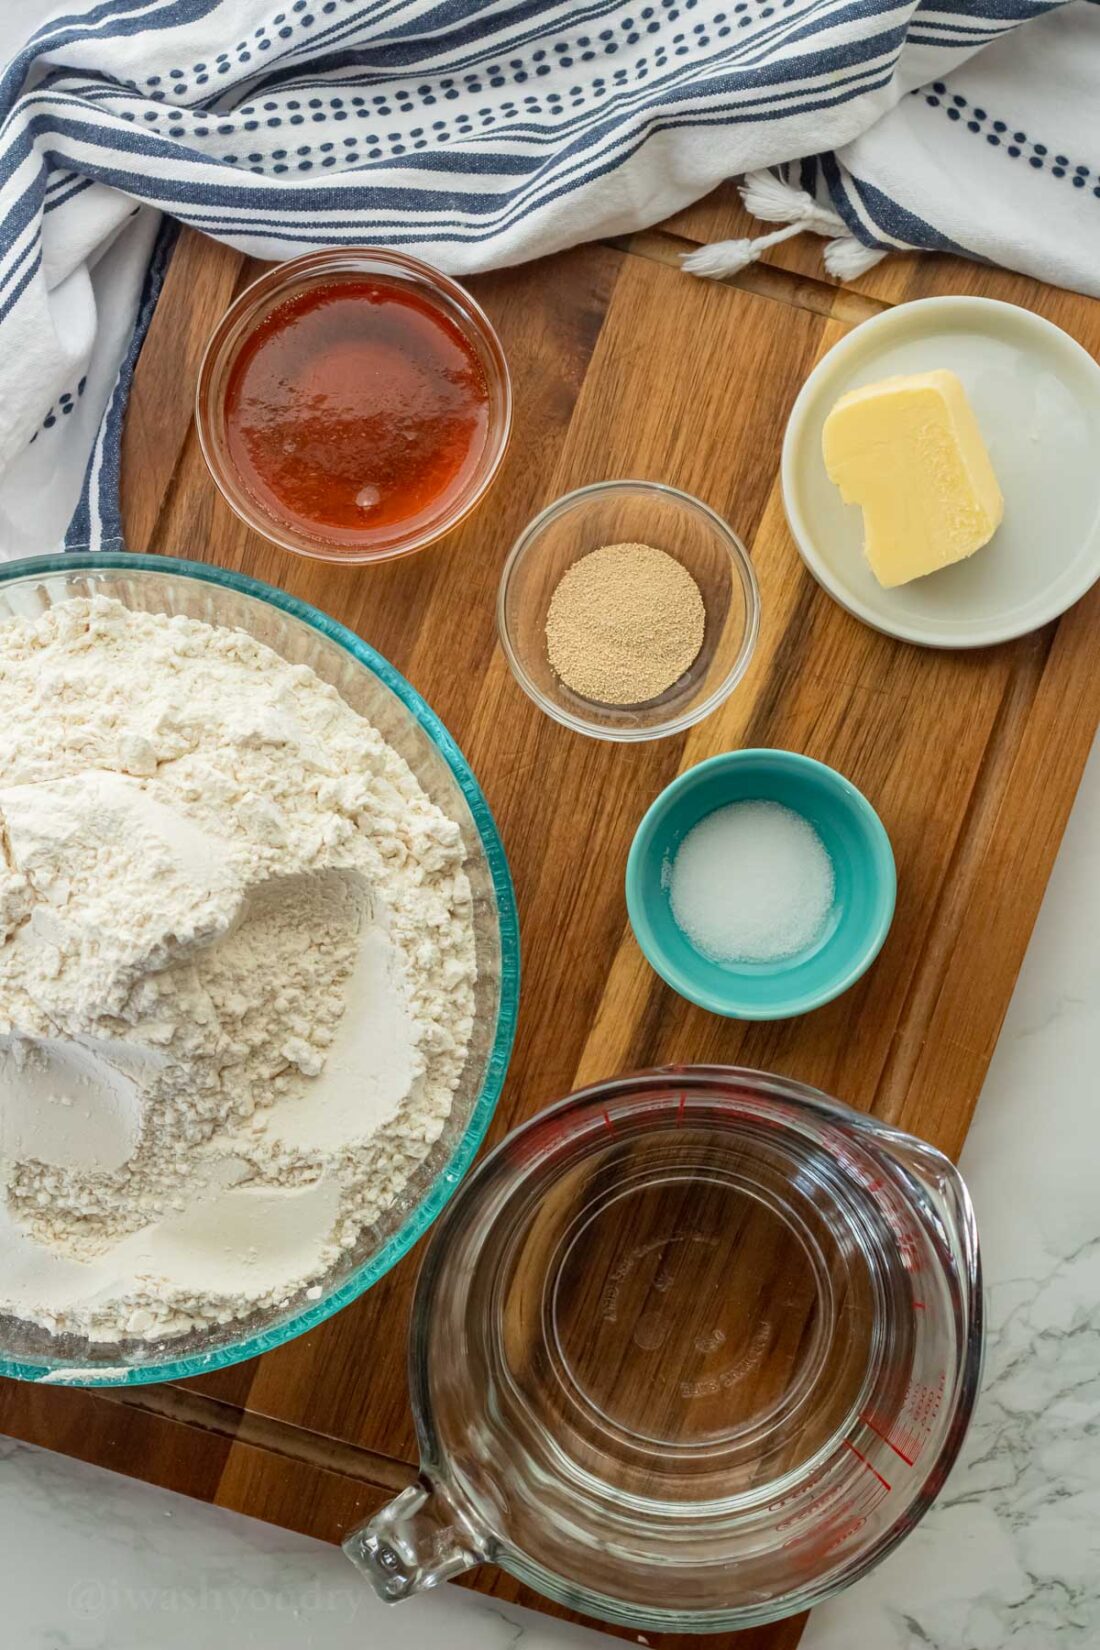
(410, 1545)
(947, 1200)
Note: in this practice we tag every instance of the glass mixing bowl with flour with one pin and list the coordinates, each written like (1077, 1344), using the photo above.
(259, 968)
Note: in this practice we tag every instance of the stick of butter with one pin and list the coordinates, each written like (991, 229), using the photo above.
(909, 451)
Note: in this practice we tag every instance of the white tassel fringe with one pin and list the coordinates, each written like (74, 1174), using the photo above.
(769, 198)
(729, 257)
(846, 258)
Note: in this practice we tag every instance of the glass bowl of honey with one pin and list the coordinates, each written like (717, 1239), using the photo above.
(354, 405)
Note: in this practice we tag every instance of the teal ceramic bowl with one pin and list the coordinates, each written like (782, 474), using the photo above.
(863, 902)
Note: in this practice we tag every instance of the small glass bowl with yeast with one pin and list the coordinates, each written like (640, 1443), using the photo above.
(354, 405)
(630, 514)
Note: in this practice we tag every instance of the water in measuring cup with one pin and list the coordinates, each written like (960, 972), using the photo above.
(697, 1336)
(696, 1313)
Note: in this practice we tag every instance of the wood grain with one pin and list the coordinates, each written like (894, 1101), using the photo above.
(623, 366)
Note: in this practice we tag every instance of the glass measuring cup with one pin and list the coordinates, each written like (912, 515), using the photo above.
(690, 1350)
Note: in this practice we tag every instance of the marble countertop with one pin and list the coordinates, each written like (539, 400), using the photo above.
(1008, 1559)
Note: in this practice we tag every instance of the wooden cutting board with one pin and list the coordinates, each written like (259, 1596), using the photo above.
(625, 367)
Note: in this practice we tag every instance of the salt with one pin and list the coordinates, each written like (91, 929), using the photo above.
(751, 883)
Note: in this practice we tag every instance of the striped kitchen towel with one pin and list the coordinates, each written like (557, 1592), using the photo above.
(483, 132)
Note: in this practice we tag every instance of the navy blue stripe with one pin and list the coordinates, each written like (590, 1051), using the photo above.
(106, 506)
(1011, 11)
(800, 27)
(78, 534)
(386, 65)
(317, 197)
(818, 66)
(114, 12)
(108, 500)
(953, 42)
(838, 196)
(453, 14)
(905, 227)
(73, 22)
(21, 285)
(685, 73)
(955, 34)
(403, 234)
(368, 196)
(627, 100)
(546, 135)
(78, 188)
(818, 18)
(314, 200)
(451, 201)
(330, 39)
(463, 159)
(405, 45)
(17, 262)
(290, 78)
(23, 210)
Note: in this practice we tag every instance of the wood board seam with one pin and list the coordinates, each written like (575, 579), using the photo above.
(165, 500)
(202, 1413)
(761, 280)
(242, 278)
(898, 1068)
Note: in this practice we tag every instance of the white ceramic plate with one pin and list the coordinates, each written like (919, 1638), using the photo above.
(1036, 394)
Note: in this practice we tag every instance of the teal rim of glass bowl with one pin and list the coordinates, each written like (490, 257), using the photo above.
(728, 1006)
(449, 1177)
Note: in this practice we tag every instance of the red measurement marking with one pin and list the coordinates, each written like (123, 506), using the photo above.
(680, 1110)
(608, 1124)
(919, 1305)
(867, 1421)
(861, 1457)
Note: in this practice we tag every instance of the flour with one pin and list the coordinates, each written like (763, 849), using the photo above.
(236, 973)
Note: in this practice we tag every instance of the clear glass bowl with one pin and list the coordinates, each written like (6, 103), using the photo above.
(630, 512)
(720, 1339)
(256, 303)
(371, 686)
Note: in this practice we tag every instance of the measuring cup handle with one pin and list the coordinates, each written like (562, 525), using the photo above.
(410, 1545)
